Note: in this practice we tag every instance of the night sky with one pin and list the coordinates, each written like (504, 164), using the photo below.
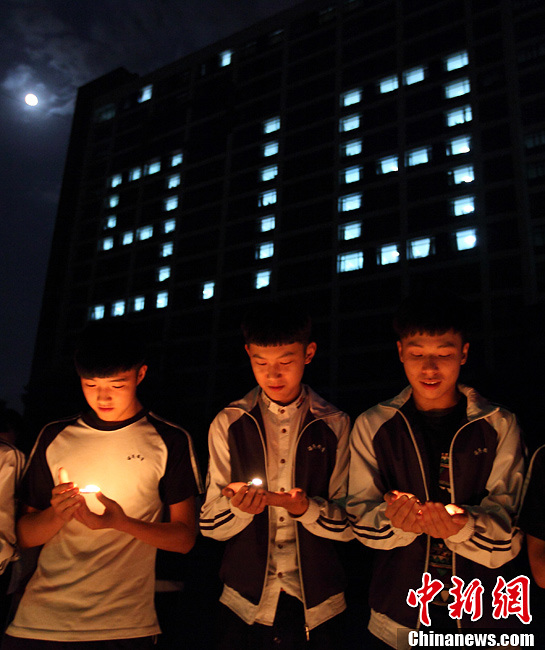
(50, 48)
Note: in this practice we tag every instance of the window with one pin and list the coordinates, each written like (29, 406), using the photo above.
(110, 222)
(262, 279)
(225, 58)
(118, 308)
(351, 174)
(96, 312)
(177, 159)
(466, 239)
(347, 262)
(105, 113)
(457, 88)
(173, 181)
(350, 230)
(414, 75)
(351, 97)
(267, 198)
(267, 223)
(128, 238)
(388, 84)
(417, 248)
(387, 165)
(153, 167)
(271, 125)
(169, 225)
(461, 144)
(138, 303)
(349, 123)
(388, 254)
(170, 203)
(163, 273)
(106, 244)
(270, 148)
(135, 173)
(167, 249)
(161, 301)
(463, 205)
(417, 156)
(116, 180)
(268, 173)
(350, 202)
(352, 148)
(113, 200)
(456, 61)
(532, 140)
(463, 174)
(459, 115)
(264, 250)
(208, 290)
(145, 232)
(145, 94)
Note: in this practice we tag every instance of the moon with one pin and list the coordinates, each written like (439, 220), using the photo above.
(31, 100)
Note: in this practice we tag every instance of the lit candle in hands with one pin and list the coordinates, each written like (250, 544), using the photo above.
(89, 493)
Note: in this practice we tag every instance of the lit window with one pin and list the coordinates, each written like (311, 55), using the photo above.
(171, 203)
(271, 125)
(208, 290)
(163, 273)
(225, 58)
(135, 173)
(414, 75)
(417, 248)
(352, 148)
(459, 115)
(349, 123)
(110, 222)
(167, 249)
(128, 238)
(270, 148)
(388, 84)
(264, 250)
(113, 200)
(417, 156)
(456, 61)
(262, 279)
(169, 225)
(457, 88)
(173, 181)
(351, 174)
(106, 244)
(118, 308)
(96, 312)
(349, 262)
(349, 202)
(177, 159)
(105, 113)
(144, 233)
(267, 198)
(463, 174)
(387, 165)
(466, 239)
(267, 223)
(461, 144)
(389, 254)
(153, 167)
(351, 97)
(268, 173)
(145, 94)
(161, 300)
(138, 303)
(463, 205)
(116, 180)
(350, 230)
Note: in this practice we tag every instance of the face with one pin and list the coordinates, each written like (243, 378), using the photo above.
(279, 369)
(114, 398)
(432, 365)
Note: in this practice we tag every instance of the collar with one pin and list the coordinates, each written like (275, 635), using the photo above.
(284, 409)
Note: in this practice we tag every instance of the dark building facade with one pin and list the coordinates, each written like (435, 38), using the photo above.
(342, 153)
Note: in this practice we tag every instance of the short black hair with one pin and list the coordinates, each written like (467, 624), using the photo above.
(276, 323)
(432, 312)
(106, 348)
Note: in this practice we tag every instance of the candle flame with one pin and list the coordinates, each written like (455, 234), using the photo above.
(256, 482)
(90, 489)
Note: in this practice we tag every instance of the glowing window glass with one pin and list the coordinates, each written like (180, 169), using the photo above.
(264, 250)
(118, 308)
(459, 115)
(97, 312)
(153, 167)
(262, 279)
(169, 225)
(350, 230)
(352, 148)
(388, 254)
(167, 249)
(268, 173)
(388, 84)
(267, 223)
(466, 239)
(113, 200)
(116, 180)
(414, 75)
(351, 174)
(417, 248)
(173, 181)
(351, 97)
(208, 290)
(456, 146)
(349, 123)
(135, 173)
(267, 198)
(463, 174)
(463, 205)
(171, 203)
(347, 262)
(418, 156)
(163, 273)
(270, 148)
(161, 300)
(106, 244)
(128, 237)
(225, 58)
(457, 88)
(110, 222)
(177, 159)
(138, 303)
(350, 202)
(145, 93)
(145, 232)
(271, 125)
(387, 165)
(456, 61)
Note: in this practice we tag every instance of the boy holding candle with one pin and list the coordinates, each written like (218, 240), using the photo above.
(94, 584)
(280, 571)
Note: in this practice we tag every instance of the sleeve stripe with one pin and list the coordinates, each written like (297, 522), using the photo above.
(219, 520)
(374, 537)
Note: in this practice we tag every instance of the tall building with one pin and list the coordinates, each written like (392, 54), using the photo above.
(341, 153)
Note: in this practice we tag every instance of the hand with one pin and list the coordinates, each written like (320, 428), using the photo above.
(65, 497)
(295, 501)
(403, 510)
(113, 516)
(247, 498)
(437, 521)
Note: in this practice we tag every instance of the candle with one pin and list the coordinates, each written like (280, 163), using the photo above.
(255, 482)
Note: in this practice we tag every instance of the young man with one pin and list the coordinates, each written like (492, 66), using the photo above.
(435, 476)
(532, 516)
(103, 491)
(281, 575)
